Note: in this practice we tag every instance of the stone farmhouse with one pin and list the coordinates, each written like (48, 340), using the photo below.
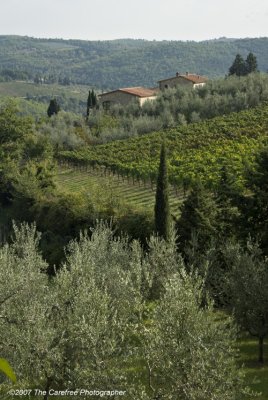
(192, 80)
(126, 95)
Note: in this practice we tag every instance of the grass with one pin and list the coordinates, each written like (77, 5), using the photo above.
(112, 191)
(256, 375)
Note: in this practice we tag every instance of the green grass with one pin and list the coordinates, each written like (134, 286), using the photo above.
(111, 190)
(256, 374)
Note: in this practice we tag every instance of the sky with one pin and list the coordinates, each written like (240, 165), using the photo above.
(139, 19)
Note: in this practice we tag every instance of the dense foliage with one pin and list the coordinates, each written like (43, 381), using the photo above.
(83, 328)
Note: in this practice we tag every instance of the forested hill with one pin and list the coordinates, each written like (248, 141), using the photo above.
(120, 63)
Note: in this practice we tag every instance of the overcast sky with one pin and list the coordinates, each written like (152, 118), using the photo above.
(146, 19)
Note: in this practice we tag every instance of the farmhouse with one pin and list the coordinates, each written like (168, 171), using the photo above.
(126, 95)
(191, 80)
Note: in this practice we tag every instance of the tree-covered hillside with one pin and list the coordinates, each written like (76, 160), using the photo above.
(120, 63)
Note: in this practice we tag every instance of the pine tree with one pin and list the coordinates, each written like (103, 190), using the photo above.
(199, 218)
(53, 108)
(162, 211)
(238, 67)
(251, 63)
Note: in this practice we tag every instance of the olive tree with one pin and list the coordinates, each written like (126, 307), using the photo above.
(71, 330)
(100, 291)
(115, 265)
(160, 263)
(246, 285)
(92, 323)
(26, 335)
(188, 349)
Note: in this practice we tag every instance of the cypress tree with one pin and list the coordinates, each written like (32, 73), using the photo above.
(162, 211)
(89, 102)
(94, 99)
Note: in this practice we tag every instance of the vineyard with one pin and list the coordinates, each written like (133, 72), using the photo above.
(112, 191)
(196, 151)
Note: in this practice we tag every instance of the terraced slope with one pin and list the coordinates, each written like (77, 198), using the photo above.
(111, 190)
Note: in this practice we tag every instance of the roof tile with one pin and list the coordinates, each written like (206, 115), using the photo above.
(136, 91)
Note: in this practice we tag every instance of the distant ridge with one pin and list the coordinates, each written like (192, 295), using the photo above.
(107, 65)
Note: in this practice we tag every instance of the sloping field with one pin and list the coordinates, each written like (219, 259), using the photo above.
(111, 190)
(27, 89)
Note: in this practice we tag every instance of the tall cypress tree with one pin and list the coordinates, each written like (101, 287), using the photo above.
(162, 211)
(94, 99)
(89, 102)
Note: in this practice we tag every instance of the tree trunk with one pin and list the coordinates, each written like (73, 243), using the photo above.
(261, 359)
(150, 377)
(47, 388)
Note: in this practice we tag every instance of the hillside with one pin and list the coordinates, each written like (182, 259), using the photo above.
(71, 98)
(121, 63)
(196, 151)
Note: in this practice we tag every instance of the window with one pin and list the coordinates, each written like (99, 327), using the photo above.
(106, 105)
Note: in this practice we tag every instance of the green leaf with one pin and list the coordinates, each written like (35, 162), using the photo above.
(6, 368)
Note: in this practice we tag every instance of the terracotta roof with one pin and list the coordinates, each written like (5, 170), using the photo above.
(190, 77)
(136, 91)
(195, 78)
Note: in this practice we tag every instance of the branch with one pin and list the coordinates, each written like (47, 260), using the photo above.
(10, 295)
